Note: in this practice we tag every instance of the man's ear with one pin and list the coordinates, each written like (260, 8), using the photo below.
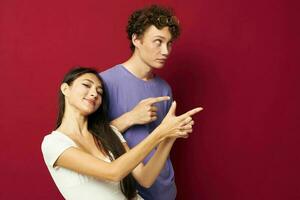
(64, 88)
(136, 41)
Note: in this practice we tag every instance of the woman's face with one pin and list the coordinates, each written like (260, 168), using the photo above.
(84, 94)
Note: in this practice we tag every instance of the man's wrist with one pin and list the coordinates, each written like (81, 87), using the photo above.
(129, 119)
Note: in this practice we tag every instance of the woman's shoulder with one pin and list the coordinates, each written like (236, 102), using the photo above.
(56, 140)
(54, 144)
(57, 136)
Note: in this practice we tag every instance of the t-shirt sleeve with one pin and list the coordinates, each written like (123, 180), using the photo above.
(169, 103)
(118, 133)
(108, 87)
(53, 146)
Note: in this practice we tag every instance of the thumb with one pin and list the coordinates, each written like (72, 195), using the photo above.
(172, 109)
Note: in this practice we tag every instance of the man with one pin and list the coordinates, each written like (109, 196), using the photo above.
(139, 99)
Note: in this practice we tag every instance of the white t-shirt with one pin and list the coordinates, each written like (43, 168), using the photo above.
(73, 185)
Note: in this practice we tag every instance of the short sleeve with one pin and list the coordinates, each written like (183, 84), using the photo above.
(53, 146)
(169, 102)
(117, 132)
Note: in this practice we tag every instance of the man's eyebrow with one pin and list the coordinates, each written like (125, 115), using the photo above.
(159, 36)
(163, 38)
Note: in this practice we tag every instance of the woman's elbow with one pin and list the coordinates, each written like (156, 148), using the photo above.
(114, 175)
(114, 178)
(145, 183)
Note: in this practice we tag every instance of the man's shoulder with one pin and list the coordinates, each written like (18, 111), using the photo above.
(110, 71)
(162, 81)
(112, 75)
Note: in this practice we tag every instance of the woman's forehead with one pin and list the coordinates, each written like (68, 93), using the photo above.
(90, 78)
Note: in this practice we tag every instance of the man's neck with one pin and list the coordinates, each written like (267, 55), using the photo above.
(138, 68)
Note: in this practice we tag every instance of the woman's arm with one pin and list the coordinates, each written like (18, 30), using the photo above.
(147, 174)
(84, 163)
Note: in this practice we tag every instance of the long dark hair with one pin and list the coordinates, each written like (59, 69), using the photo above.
(98, 126)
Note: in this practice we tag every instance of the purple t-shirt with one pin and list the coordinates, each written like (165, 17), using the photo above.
(125, 91)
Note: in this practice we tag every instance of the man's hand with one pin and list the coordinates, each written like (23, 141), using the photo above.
(145, 111)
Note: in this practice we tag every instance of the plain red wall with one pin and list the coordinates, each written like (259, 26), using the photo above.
(237, 59)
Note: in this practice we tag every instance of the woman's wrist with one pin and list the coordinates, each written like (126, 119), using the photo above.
(159, 134)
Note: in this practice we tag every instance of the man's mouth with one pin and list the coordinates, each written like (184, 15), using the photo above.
(161, 60)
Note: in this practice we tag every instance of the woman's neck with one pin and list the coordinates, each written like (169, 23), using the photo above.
(73, 123)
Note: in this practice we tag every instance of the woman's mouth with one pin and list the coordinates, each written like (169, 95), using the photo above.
(91, 101)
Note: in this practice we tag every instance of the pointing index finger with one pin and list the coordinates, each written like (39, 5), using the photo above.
(158, 99)
(191, 112)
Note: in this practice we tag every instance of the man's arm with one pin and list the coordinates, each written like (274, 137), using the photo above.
(143, 113)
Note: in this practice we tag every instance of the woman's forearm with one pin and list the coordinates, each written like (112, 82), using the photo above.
(128, 161)
(147, 174)
(82, 162)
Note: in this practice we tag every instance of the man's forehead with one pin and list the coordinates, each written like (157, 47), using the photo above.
(152, 31)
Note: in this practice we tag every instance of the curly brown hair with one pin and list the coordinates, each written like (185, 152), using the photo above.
(155, 15)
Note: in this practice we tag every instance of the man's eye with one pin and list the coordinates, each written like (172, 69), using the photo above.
(158, 42)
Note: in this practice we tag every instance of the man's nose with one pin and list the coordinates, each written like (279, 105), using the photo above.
(165, 50)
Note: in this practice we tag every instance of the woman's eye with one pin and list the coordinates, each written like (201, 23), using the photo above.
(86, 85)
(100, 92)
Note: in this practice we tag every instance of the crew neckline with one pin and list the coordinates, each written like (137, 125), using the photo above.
(137, 78)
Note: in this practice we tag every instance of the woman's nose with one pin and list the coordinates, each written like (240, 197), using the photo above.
(93, 93)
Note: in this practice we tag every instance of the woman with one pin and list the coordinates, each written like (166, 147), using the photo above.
(89, 159)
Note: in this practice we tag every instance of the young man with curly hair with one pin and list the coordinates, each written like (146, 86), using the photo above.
(139, 99)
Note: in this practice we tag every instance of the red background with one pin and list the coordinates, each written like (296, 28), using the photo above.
(237, 59)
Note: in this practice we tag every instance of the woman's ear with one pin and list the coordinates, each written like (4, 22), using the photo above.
(136, 41)
(64, 88)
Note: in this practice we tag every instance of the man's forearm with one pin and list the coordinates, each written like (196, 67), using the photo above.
(123, 122)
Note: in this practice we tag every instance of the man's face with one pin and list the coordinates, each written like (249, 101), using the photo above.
(154, 46)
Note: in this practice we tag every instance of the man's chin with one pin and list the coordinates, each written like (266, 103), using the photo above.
(158, 65)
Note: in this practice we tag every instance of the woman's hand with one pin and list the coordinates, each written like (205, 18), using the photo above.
(174, 126)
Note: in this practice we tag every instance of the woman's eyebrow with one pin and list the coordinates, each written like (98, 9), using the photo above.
(99, 86)
(88, 80)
